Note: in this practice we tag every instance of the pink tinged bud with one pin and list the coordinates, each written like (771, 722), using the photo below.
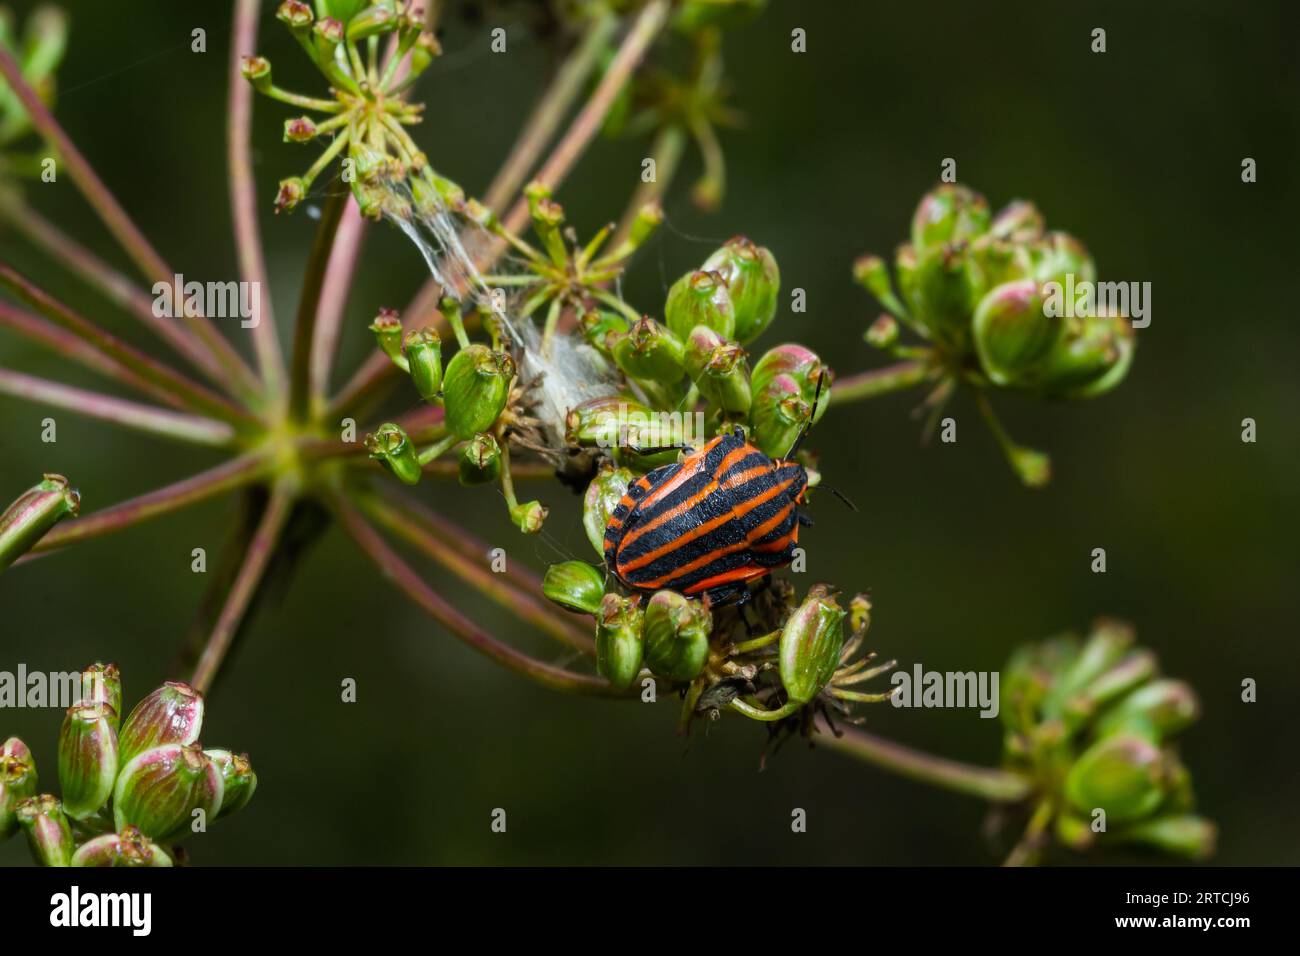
(329, 33)
(18, 781)
(130, 848)
(48, 831)
(780, 413)
(700, 298)
(159, 790)
(802, 365)
(102, 684)
(1019, 221)
(257, 70)
(949, 213)
(172, 714)
(619, 644)
(753, 281)
(811, 643)
(87, 758)
(292, 191)
(238, 780)
(1013, 332)
(27, 520)
(294, 14)
(602, 497)
(299, 130)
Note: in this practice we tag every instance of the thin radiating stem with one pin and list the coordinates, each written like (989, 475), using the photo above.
(1000, 786)
(243, 194)
(459, 552)
(221, 361)
(667, 149)
(410, 583)
(228, 476)
(304, 328)
(892, 378)
(256, 558)
(339, 273)
(145, 418)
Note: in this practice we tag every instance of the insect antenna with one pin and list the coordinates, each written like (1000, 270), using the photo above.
(812, 412)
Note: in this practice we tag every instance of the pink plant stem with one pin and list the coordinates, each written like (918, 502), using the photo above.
(215, 356)
(999, 786)
(243, 194)
(304, 327)
(881, 381)
(465, 556)
(158, 421)
(232, 474)
(339, 273)
(409, 582)
(195, 395)
(250, 574)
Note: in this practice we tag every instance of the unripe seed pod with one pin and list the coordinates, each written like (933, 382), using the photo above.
(600, 500)
(390, 446)
(700, 298)
(1058, 255)
(172, 714)
(779, 414)
(606, 421)
(811, 642)
(647, 220)
(753, 282)
(48, 832)
(291, 192)
(18, 781)
(480, 461)
(882, 333)
(575, 586)
(601, 329)
(300, 129)
(159, 790)
(949, 213)
(1090, 359)
(328, 33)
(387, 327)
(294, 14)
(676, 631)
(257, 70)
(1157, 710)
(426, 50)
(948, 285)
(1184, 834)
(35, 512)
(802, 365)
(529, 516)
(869, 271)
(701, 343)
(1012, 332)
(372, 21)
(102, 684)
(1109, 641)
(1019, 221)
(619, 644)
(423, 351)
(341, 10)
(650, 352)
(130, 848)
(905, 264)
(475, 389)
(1123, 775)
(87, 758)
(238, 781)
(725, 380)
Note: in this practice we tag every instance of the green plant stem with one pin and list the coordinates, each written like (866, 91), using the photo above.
(227, 476)
(892, 378)
(999, 786)
(551, 110)
(667, 150)
(304, 329)
(221, 362)
(454, 549)
(158, 421)
(410, 583)
(1030, 845)
(339, 273)
(250, 573)
(120, 290)
(645, 29)
(195, 395)
(243, 195)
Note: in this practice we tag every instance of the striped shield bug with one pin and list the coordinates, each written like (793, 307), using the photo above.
(725, 515)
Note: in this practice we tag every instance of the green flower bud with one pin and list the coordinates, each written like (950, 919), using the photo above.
(1157, 711)
(606, 421)
(1012, 332)
(647, 220)
(390, 446)
(1136, 668)
(475, 389)
(35, 512)
(724, 380)
(676, 633)
(328, 33)
(800, 364)
(1185, 834)
(905, 265)
(18, 781)
(1090, 359)
(102, 684)
(701, 343)
(949, 213)
(48, 832)
(371, 22)
(529, 516)
(600, 500)
(126, 849)
(87, 758)
(1059, 254)
(999, 261)
(423, 351)
(257, 70)
(948, 285)
(811, 642)
(618, 639)
(601, 329)
(649, 351)
(882, 333)
(294, 14)
(480, 461)
(779, 414)
(700, 298)
(1123, 775)
(753, 281)
(1109, 641)
(387, 327)
(869, 271)
(575, 586)
(1018, 221)
(292, 191)
(159, 790)
(238, 781)
(172, 714)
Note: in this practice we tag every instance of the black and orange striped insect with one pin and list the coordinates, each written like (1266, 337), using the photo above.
(710, 524)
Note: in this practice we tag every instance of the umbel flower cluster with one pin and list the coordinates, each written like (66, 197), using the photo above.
(131, 789)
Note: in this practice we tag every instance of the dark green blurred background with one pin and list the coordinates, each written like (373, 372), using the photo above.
(1136, 151)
